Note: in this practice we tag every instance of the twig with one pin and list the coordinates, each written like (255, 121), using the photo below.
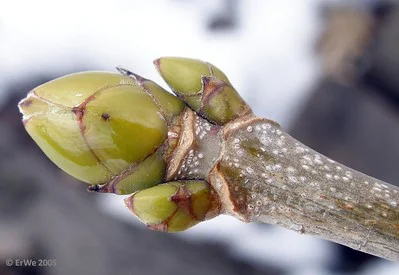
(262, 174)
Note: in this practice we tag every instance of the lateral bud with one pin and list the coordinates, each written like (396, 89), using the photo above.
(220, 102)
(203, 87)
(174, 206)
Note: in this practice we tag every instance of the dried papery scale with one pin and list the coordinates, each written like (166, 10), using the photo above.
(217, 158)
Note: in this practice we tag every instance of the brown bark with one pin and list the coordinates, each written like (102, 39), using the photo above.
(261, 174)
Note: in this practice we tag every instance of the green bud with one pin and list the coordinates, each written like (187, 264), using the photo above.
(203, 87)
(102, 127)
(173, 206)
(138, 177)
(168, 103)
(221, 102)
(183, 75)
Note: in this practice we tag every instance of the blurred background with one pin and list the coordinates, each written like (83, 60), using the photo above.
(326, 70)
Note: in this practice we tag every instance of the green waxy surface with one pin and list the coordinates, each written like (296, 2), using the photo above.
(123, 126)
(193, 101)
(203, 87)
(183, 75)
(58, 135)
(201, 202)
(153, 205)
(173, 206)
(73, 89)
(34, 106)
(181, 221)
(170, 104)
(218, 74)
(97, 126)
(147, 173)
(224, 105)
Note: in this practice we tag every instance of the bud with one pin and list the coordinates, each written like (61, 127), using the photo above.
(203, 87)
(174, 206)
(168, 103)
(102, 127)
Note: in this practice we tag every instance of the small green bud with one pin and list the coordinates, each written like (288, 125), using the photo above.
(102, 127)
(173, 206)
(138, 177)
(203, 87)
(183, 75)
(221, 102)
